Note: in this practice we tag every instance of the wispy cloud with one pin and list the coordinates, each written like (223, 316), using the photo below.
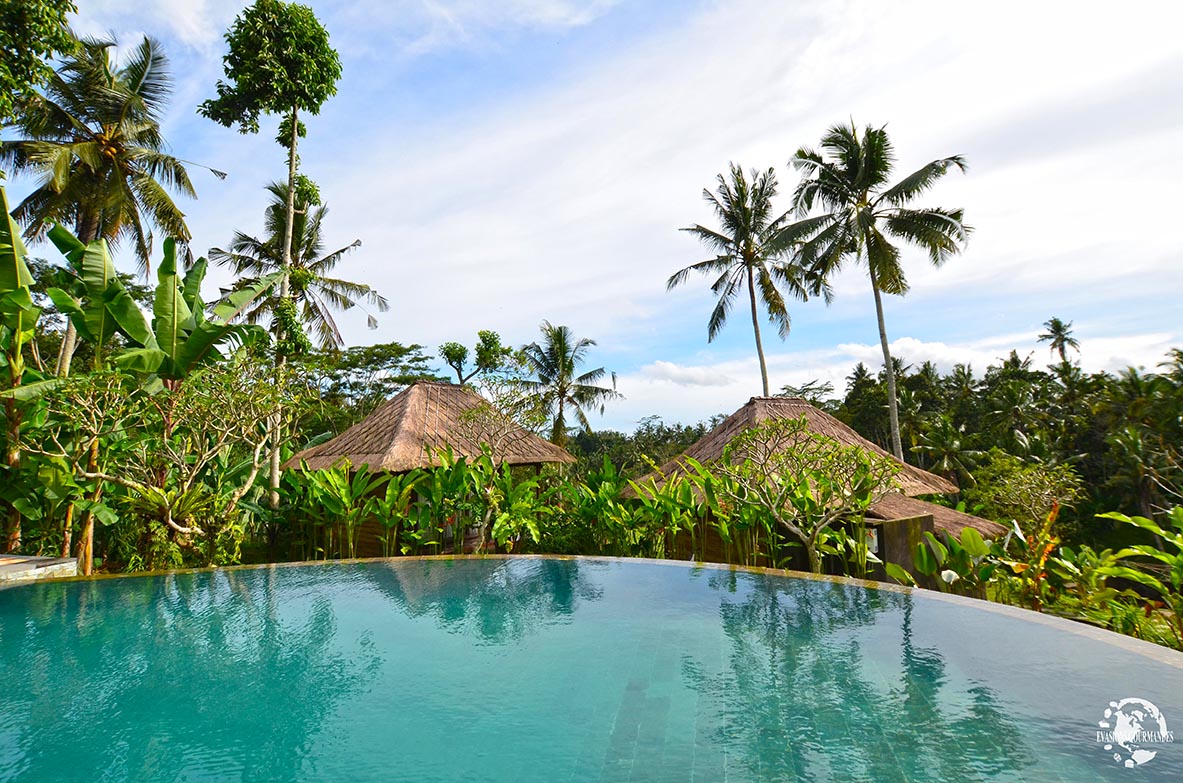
(560, 197)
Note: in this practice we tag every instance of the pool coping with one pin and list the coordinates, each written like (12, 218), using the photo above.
(1159, 653)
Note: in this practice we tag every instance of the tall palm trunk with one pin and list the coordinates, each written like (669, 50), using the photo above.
(893, 411)
(284, 294)
(756, 329)
(558, 433)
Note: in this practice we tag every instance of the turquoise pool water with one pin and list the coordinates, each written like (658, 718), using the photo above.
(551, 670)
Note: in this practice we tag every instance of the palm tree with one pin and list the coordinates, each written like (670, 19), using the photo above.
(94, 140)
(861, 214)
(555, 361)
(752, 248)
(948, 450)
(1059, 335)
(314, 294)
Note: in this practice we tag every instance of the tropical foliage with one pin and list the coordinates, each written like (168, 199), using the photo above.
(31, 32)
(155, 454)
(93, 140)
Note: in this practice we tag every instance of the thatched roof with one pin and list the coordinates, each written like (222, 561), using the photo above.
(709, 448)
(897, 505)
(951, 521)
(408, 430)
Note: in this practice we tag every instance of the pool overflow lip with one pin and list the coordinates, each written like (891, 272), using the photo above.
(1156, 652)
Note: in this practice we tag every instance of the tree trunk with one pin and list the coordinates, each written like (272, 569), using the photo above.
(68, 530)
(756, 329)
(284, 294)
(12, 415)
(815, 558)
(558, 433)
(12, 458)
(85, 553)
(893, 411)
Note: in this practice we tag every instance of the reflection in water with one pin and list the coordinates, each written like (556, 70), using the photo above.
(174, 672)
(799, 699)
(539, 670)
(494, 601)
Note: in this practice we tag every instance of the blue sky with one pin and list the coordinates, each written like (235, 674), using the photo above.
(505, 163)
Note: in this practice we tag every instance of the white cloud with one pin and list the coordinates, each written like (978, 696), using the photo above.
(564, 203)
(686, 376)
(562, 199)
(419, 27)
(195, 23)
(422, 25)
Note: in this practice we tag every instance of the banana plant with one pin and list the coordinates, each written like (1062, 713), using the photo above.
(18, 320)
(179, 338)
(98, 304)
(1166, 580)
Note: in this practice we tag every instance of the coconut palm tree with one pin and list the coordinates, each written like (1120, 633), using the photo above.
(93, 138)
(555, 362)
(1059, 335)
(948, 450)
(861, 214)
(751, 247)
(314, 294)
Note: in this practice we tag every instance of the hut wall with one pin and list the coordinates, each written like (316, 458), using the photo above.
(898, 539)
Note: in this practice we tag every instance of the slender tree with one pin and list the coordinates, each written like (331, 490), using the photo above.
(314, 293)
(93, 138)
(1059, 336)
(279, 62)
(751, 246)
(861, 214)
(555, 361)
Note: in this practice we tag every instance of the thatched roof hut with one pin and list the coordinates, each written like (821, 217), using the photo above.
(912, 480)
(709, 448)
(409, 430)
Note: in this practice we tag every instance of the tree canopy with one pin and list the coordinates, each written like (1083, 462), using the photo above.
(279, 60)
(31, 32)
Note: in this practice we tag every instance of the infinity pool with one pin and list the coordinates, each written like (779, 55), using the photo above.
(555, 670)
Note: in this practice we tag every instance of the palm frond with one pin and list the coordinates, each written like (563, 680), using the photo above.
(921, 180)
